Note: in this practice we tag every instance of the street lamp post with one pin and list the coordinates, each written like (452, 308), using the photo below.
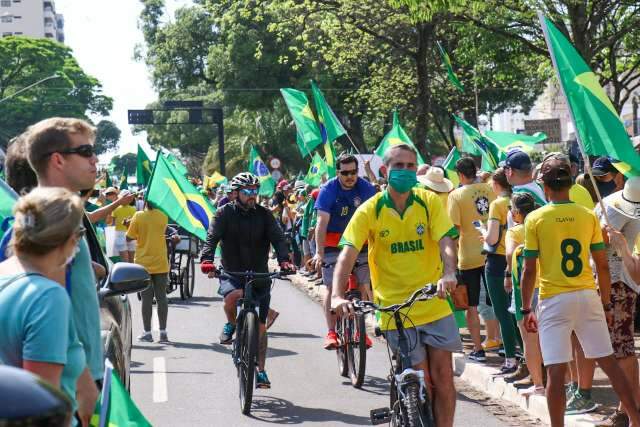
(55, 76)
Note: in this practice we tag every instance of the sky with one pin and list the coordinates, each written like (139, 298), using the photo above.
(103, 35)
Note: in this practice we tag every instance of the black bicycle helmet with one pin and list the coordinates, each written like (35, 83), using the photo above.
(244, 179)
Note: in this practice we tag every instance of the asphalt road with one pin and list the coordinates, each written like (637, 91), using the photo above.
(192, 380)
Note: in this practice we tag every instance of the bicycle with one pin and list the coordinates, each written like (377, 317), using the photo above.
(410, 405)
(182, 257)
(245, 346)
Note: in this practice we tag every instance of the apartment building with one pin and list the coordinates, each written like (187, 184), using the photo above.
(33, 18)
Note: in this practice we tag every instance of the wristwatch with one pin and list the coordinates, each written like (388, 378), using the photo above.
(525, 311)
(507, 274)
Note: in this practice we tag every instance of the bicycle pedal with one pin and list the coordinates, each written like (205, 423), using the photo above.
(380, 416)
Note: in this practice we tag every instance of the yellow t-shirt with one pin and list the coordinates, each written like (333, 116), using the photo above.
(581, 196)
(148, 228)
(498, 210)
(404, 254)
(468, 204)
(121, 213)
(562, 235)
(516, 234)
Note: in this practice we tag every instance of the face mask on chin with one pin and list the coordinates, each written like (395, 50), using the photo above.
(402, 180)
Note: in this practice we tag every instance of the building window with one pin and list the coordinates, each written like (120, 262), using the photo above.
(17, 33)
(48, 21)
(6, 34)
(48, 35)
(6, 18)
(17, 17)
(5, 3)
(17, 1)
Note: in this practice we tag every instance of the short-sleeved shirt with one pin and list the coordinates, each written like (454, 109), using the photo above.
(499, 210)
(341, 204)
(581, 196)
(36, 325)
(562, 235)
(404, 252)
(516, 235)
(533, 189)
(467, 204)
(121, 213)
(148, 227)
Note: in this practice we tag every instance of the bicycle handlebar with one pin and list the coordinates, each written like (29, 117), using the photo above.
(423, 294)
(252, 275)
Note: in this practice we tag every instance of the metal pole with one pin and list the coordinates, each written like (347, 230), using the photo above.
(55, 76)
(221, 143)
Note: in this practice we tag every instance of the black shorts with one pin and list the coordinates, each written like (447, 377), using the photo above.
(473, 279)
(261, 293)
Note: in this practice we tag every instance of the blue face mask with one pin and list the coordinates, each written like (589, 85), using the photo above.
(402, 180)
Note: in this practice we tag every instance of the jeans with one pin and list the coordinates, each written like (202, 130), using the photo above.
(158, 289)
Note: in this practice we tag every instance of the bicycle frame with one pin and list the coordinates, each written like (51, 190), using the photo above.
(403, 372)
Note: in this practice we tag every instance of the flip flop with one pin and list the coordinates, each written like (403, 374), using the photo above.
(273, 318)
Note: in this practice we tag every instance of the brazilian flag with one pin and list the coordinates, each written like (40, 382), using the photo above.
(144, 167)
(172, 193)
(317, 168)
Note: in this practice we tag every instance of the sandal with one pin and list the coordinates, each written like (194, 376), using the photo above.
(271, 318)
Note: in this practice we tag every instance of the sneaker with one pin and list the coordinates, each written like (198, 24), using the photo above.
(617, 419)
(226, 336)
(523, 383)
(164, 338)
(489, 345)
(367, 340)
(331, 341)
(146, 337)
(569, 390)
(534, 390)
(521, 373)
(262, 380)
(508, 370)
(579, 405)
(478, 356)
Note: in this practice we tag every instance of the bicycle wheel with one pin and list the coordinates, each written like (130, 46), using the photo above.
(182, 277)
(357, 350)
(247, 365)
(341, 351)
(414, 410)
(192, 275)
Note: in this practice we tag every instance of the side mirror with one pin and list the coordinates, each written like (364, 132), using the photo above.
(125, 278)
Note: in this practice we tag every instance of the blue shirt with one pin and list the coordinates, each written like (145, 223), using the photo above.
(86, 309)
(36, 325)
(341, 205)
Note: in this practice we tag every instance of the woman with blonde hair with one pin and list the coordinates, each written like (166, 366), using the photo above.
(37, 332)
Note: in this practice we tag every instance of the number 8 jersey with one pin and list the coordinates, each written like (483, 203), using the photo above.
(562, 235)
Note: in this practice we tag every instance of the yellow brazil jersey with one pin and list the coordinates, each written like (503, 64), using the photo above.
(121, 213)
(581, 196)
(516, 234)
(404, 252)
(467, 204)
(562, 235)
(148, 228)
(499, 210)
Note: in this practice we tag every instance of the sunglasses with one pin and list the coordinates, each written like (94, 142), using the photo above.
(80, 232)
(249, 191)
(352, 172)
(86, 150)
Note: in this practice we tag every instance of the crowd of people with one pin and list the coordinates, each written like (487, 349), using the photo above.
(528, 251)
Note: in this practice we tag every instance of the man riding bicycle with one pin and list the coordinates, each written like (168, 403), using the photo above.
(246, 232)
(411, 244)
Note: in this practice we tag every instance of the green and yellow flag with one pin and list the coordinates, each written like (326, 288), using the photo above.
(449, 166)
(215, 180)
(172, 193)
(177, 164)
(8, 198)
(330, 127)
(124, 185)
(308, 135)
(317, 168)
(508, 141)
(491, 153)
(396, 136)
(599, 128)
(330, 158)
(447, 63)
(144, 167)
(260, 169)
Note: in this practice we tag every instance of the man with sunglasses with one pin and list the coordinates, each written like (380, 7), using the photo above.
(246, 231)
(338, 200)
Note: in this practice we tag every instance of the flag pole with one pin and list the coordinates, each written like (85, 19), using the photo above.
(106, 393)
(352, 143)
(583, 151)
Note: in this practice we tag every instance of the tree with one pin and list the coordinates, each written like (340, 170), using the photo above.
(125, 164)
(24, 61)
(107, 136)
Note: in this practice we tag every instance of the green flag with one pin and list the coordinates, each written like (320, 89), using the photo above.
(172, 193)
(330, 127)
(107, 180)
(396, 136)
(330, 158)
(447, 63)
(449, 166)
(124, 185)
(8, 198)
(317, 168)
(469, 147)
(177, 164)
(143, 168)
(307, 131)
(599, 129)
(121, 411)
(507, 140)
(491, 153)
(260, 169)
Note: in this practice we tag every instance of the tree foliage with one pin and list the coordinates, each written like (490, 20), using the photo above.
(125, 164)
(107, 136)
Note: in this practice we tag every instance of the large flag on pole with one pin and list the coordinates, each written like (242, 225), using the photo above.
(491, 153)
(172, 193)
(599, 129)
(330, 127)
(449, 166)
(177, 164)
(215, 180)
(260, 169)
(317, 168)
(508, 141)
(447, 63)
(143, 168)
(330, 158)
(307, 131)
(396, 136)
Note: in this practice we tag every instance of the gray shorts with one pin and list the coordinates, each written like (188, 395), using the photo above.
(306, 249)
(361, 271)
(442, 334)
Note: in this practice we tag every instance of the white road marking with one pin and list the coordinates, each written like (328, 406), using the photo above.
(159, 380)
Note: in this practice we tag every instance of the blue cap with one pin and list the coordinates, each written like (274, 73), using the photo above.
(517, 159)
(602, 166)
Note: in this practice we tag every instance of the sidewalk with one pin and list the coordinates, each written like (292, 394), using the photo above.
(483, 376)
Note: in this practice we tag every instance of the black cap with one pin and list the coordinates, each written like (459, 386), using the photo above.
(602, 166)
(555, 171)
(517, 159)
